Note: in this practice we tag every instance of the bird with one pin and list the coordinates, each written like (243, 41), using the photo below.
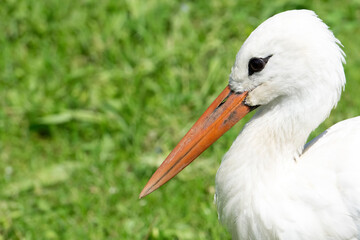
(271, 184)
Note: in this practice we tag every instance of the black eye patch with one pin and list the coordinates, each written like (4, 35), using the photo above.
(257, 64)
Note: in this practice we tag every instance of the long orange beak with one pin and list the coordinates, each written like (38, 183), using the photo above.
(227, 109)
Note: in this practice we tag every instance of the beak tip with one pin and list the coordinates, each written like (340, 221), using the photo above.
(146, 191)
(141, 195)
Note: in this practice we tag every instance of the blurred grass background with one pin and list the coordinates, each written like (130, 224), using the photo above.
(94, 94)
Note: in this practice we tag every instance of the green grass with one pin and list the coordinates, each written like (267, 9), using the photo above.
(94, 94)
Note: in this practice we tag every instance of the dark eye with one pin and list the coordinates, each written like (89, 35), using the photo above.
(257, 64)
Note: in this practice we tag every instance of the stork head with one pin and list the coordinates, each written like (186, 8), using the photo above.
(292, 56)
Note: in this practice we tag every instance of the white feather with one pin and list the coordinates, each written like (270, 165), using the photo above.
(268, 186)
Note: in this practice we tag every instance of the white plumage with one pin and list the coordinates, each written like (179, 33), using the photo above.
(269, 186)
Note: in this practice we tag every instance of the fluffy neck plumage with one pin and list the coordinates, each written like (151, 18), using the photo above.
(266, 148)
(278, 131)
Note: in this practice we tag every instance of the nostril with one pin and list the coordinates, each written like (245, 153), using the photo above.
(225, 99)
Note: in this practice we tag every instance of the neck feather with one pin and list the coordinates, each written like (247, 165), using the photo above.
(267, 147)
(276, 133)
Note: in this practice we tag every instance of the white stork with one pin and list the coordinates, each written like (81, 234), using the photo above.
(269, 185)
